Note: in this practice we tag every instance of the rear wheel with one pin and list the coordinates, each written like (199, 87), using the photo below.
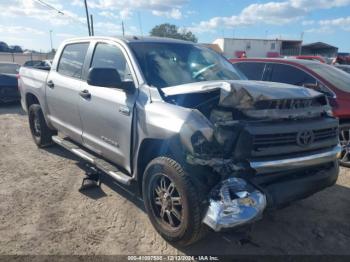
(172, 202)
(41, 133)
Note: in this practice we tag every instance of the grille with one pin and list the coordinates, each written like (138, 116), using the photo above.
(274, 140)
(290, 103)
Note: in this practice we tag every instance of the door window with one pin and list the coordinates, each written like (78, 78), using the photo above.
(72, 60)
(290, 75)
(253, 71)
(110, 56)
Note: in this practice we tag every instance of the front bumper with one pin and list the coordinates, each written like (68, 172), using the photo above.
(263, 167)
(239, 201)
(283, 188)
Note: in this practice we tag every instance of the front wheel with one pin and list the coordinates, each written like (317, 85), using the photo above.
(41, 133)
(172, 202)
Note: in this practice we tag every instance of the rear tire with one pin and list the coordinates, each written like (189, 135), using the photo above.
(172, 202)
(41, 133)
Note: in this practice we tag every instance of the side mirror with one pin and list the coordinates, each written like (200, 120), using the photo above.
(105, 77)
(109, 77)
(128, 86)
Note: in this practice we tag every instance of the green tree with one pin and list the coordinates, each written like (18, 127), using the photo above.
(172, 31)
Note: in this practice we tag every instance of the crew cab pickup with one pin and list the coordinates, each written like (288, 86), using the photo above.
(208, 148)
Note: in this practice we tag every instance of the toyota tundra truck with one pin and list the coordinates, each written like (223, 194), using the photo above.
(206, 147)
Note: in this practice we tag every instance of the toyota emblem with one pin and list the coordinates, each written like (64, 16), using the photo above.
(305, 138)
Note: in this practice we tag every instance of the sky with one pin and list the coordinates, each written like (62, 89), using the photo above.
(28, 22)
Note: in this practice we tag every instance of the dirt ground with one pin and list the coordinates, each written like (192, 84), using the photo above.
(43, 212)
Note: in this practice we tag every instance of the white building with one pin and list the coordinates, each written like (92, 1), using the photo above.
(234, 47)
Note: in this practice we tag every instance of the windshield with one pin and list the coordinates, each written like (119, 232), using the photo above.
(9, 68)
(171, 64)
(333, 75)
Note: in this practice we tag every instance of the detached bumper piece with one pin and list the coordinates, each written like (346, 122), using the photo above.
(234, 202)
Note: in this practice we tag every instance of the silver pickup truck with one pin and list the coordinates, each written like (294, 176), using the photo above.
(207, 148)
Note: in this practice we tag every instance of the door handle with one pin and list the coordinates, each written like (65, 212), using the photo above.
(85, 94)
(50, 84)
(124, 110)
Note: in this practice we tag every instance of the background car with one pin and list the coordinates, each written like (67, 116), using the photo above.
(8, 82)
(312, 58)
(345, 68)
(39, 64)
(324, 78)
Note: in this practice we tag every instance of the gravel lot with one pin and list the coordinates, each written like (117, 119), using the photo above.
(43, 212)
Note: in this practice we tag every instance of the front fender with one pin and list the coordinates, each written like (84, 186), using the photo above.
(162, 120)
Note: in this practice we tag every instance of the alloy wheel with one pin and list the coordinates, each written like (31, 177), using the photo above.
(166, 201)
(344, 137)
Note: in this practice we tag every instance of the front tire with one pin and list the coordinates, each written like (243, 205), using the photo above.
(41, 133)
(172, 202)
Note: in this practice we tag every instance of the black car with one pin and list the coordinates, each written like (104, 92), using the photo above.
(39, 64)
(8, 82)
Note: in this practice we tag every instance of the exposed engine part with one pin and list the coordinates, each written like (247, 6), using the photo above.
(234, 202)
(199, 124)
(222, 135)
(216, 134)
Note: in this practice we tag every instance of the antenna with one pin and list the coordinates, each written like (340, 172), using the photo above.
(123, 28)
(87, 16)
(92, 25)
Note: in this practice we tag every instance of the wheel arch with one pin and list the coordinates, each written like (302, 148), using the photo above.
(31, 99)
(151, 148)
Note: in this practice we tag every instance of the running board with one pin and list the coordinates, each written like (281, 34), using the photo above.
(101, 164)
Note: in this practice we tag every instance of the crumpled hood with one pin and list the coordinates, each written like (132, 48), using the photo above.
(243, 94)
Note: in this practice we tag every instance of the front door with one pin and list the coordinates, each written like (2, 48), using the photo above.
(107, 113)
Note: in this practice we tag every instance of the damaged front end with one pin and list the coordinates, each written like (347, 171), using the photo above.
(236, 118)
(234, 202)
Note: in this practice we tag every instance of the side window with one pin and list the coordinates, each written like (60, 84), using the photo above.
(290, 75)
(72, 60)
(110, 56)
(253, 71)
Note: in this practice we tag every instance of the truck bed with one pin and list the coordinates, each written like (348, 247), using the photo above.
(32, 80)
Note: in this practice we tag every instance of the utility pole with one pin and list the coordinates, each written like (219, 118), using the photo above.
(92, 25)
(51, 41)
(123, 28)
(87, 17)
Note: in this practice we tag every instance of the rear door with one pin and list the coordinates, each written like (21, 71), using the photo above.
(107, 114)
(63, 87)
(252, 70)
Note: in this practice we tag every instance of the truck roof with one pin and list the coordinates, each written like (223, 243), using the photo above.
(130, 39)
